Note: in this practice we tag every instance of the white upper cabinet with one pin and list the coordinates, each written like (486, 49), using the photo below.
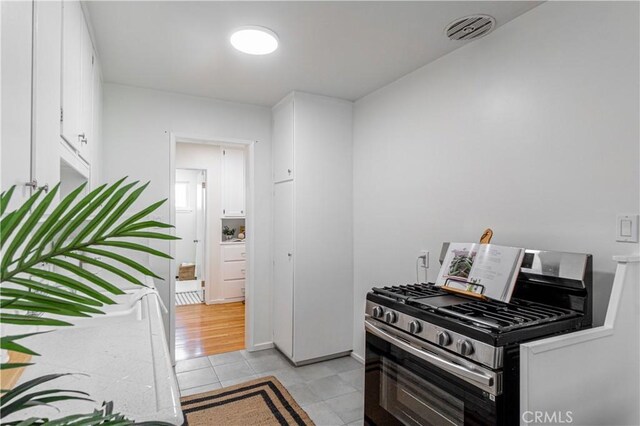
(283, 140)
(72, 34)
(16, 98)
(87, 60)
(77, 79)
(50, 88)
(46, 112)
(233, 185)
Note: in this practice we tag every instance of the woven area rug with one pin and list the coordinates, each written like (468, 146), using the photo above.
(263, 401)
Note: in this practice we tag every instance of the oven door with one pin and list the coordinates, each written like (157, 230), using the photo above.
(410, 382)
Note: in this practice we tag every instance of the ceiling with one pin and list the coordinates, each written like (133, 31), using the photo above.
(340, 49)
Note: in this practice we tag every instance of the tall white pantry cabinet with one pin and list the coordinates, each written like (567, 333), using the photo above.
(313, 266)
(51, 96)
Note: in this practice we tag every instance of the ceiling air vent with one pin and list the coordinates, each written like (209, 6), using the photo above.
(470, 27)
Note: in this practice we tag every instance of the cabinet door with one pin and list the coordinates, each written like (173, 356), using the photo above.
(85, 136)
(96, 130)
(233, 183)
(283, 141)
(46, 82)
(72, 53)
(16, 98)
(283, 228)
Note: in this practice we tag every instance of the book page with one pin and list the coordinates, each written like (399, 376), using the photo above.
(481, 268)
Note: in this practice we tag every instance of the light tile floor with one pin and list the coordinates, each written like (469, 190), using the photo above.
(330, 391)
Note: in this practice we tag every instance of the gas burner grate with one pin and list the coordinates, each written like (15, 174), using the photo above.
(506, 316)
(404, 293)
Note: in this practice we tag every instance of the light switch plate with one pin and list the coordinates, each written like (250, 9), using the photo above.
(627, 228)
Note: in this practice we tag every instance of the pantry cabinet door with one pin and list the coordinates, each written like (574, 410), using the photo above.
(283, 262)
(233, 185)
(282, 142)
(72, 53)
(16, 38)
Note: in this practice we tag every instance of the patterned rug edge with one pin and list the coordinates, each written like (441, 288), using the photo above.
(294, 410)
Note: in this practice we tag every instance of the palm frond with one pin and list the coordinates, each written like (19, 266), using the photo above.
(45, 285)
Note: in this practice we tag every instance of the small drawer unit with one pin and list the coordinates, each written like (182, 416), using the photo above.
(233, 289)
(234, 252)
(234, 270)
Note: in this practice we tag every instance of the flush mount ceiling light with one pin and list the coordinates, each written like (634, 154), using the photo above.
(254, 40)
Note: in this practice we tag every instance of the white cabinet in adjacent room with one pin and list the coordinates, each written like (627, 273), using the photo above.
(312, 264)
(233, 183)
(233, 268)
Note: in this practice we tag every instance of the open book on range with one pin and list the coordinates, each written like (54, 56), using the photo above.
(486, 269)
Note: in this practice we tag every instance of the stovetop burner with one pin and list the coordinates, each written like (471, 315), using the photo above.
(490, 315)
(506, 316)
(404, 293)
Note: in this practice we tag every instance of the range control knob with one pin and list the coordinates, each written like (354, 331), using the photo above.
(415, 327)
(444, 339)
(390, 317)
(465, 347)
(377, 311)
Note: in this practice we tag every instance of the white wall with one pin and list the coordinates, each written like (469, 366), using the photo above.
(136, 134)
(532, 131)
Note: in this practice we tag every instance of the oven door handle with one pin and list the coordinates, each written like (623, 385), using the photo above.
(448, 366)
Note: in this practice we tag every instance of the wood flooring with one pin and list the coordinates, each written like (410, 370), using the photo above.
(209, 329)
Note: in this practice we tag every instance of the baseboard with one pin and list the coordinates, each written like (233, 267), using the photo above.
(261, 346)
(357, 357)
(221, 301)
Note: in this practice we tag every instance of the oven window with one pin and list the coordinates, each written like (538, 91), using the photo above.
(414, 401)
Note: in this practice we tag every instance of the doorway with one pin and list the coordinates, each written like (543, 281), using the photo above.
(211, 261)
(190, 199)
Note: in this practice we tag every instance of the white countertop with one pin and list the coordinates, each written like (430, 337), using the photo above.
(125, 361)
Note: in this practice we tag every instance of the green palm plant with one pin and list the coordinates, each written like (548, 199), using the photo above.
(37, 245)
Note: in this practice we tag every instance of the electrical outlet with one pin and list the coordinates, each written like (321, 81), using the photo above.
(424, 256)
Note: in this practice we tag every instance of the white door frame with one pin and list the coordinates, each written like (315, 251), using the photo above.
(249, 316)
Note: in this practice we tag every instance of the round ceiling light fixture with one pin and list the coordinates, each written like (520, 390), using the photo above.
(254, 40)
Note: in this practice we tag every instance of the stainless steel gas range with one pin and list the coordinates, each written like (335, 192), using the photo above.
(434, 358)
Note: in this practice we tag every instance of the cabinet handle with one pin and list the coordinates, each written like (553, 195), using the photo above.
(82, 137)
(34, 184)
(242, 270)
(289, 171)
(289, 254)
